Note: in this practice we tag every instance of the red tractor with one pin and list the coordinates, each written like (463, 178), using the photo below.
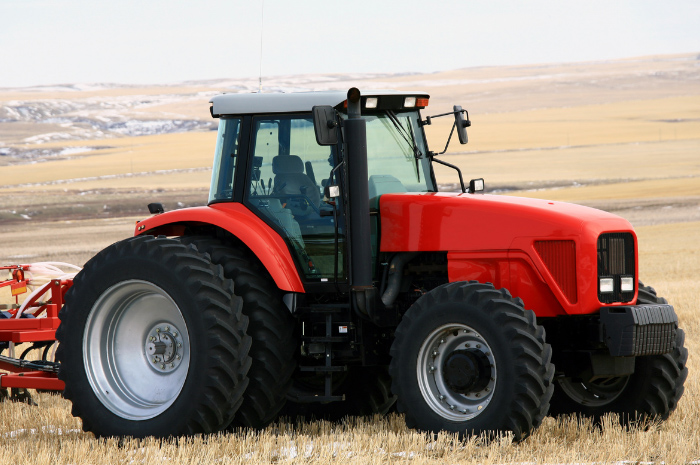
(328, 276)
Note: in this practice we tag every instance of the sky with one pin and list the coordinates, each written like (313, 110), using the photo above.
(45, 42)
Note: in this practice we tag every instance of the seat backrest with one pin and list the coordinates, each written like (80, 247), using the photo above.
(291, 180)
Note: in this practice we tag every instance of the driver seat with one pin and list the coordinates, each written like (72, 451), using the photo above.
(291, 180)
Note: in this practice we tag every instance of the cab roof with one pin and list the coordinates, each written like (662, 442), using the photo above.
(243, 103)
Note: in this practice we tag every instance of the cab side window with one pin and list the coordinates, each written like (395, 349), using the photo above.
(286, 188)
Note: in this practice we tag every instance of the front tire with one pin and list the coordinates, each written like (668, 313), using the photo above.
(470, 359)
(153, 342)
(652, 392)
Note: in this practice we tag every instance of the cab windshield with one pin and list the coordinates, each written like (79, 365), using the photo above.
(396, 154)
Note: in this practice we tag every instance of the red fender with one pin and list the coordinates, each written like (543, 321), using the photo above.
(235, 218)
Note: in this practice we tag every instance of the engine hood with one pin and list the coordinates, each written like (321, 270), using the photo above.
(469, 222)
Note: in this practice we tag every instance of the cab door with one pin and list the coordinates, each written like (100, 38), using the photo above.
(287, 171)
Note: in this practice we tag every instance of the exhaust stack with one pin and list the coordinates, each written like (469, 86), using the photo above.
(363, 291)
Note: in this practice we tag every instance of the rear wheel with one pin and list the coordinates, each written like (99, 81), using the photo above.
(468, 358)
(153, 342)
(651, 392)
(271, 327)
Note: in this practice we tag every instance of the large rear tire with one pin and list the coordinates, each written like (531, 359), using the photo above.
(470, 359)
(271, 326)
(652, 392)
(153, 342)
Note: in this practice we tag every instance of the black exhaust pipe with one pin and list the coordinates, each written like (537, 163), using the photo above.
(363, 292)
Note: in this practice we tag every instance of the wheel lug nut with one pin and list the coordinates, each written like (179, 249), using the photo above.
(178, 357)
(478, 346)
(167, 328)
(452, 407)
(432, 369)
(487, 389)
(172, 365)
(442, 341)
(157, 330)
(477, 394)
(179, 344)
(467, 345)
(442, 397)
(435, 353)
(175, 334)
(162, 366)
(155, 359)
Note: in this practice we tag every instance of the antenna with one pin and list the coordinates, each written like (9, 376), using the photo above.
(262, 23)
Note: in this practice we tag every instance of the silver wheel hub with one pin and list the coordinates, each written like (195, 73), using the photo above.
(456, 372)
(136, 350)
(164, 347)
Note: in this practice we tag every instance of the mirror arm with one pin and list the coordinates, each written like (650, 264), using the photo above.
(454, 125)
(459, 172)
(428, 122)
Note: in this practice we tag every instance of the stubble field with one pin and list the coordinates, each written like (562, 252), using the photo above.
(622, 136)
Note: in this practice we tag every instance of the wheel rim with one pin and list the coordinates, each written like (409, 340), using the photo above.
(594, 394)
(136, 350)
(456, 398)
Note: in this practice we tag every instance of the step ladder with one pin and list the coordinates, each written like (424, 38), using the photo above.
(328, 369)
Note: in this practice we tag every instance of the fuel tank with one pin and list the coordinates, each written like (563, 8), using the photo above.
(542, 251)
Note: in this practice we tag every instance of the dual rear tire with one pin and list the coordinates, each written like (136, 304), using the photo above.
(168, 337)
(153, 342)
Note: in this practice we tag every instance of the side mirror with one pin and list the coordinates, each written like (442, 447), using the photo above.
(325, 125)
(461, 124)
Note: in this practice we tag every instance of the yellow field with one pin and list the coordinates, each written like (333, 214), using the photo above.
(622, 136)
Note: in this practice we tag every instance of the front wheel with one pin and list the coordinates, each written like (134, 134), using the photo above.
(470, 359)
(652, 392)
(153, 342)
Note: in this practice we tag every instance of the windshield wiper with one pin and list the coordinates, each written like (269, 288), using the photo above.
(408, 136)
(405, 134)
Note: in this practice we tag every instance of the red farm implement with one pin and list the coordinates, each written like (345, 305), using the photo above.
(28, 325)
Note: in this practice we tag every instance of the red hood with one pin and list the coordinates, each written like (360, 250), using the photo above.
(468, 222)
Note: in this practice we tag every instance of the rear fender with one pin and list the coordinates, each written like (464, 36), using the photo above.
(235, 218)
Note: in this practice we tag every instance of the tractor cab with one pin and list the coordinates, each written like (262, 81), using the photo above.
(269, 157)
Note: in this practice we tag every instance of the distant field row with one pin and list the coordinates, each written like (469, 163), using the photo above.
(625, 141)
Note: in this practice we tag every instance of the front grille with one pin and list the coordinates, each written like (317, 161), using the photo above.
(616, 260)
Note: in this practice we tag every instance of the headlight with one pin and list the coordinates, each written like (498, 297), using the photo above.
(606, 285)
(627, 284)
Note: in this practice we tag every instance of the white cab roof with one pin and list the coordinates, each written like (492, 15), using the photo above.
(240, 104)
